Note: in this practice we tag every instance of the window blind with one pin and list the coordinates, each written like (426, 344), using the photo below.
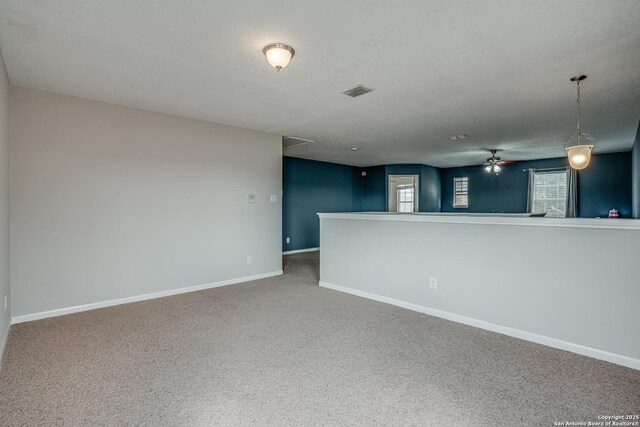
(461, 192)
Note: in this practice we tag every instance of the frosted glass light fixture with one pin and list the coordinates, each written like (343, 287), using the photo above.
(495, 168)
(492, 164)
(579, 154)
(278, 54)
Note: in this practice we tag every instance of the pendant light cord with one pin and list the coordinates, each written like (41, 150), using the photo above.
(578, 108)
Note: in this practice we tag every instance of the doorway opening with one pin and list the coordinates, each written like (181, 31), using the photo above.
(403, 193)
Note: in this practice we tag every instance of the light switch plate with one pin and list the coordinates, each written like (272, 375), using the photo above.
(274, 198)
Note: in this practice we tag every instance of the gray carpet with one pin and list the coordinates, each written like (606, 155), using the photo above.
(305, 265)
(282, 351)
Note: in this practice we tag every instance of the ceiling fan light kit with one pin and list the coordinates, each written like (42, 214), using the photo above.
(493, 163)
(579, 154)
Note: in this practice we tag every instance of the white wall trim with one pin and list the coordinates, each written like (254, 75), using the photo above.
(126, 300)
(299, 251)
(489, 219)
(3, 343)
(512, 332)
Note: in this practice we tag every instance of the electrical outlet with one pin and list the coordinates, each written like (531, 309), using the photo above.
(249, 259)
(288, 240)
(433, 282)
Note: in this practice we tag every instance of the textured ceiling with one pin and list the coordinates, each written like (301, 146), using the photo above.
(495, 70)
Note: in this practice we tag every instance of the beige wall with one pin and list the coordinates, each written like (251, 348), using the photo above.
(4, 204)
(111, 202)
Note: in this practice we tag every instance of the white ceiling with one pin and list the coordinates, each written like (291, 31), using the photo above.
(495, 70)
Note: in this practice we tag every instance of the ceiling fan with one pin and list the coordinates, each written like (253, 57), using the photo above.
(494, 164)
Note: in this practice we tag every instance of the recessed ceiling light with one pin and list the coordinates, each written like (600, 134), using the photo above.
(354, 149)
(459, 137)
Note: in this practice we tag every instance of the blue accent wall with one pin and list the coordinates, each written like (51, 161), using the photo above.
(310, 187)
(376, 186)
(356, 189)
(635, 176)
(604, 185)
(374, 189)
(610, 181)
(430, 189)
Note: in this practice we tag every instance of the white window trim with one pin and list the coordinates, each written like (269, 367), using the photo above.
(412, 202)
(555, 172)
(464, 179)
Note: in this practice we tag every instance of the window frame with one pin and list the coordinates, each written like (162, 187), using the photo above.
(533, 198)
(463, 192)
(407, 189)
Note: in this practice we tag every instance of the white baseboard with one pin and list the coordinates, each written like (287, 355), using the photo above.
(512, 332)
(299, 251)
(126, 300)
(3, 343)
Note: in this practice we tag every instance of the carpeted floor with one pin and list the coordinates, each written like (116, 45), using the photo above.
(305, 265)
(283, 351)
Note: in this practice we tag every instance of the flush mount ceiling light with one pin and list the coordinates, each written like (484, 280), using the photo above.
(459, 137)
(278, 55)
(354, 148)
(579, 154)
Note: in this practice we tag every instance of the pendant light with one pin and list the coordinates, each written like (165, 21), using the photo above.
(579, 154)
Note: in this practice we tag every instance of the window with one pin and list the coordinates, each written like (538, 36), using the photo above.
(461, 192)
(550, 193)
(405, 198)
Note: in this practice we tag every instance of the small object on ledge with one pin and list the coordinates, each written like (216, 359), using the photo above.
(613, 213)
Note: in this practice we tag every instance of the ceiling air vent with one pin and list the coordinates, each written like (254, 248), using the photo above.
(357, 91)
(292, 141)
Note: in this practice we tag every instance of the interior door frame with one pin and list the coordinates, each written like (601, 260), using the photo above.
(416, 192)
